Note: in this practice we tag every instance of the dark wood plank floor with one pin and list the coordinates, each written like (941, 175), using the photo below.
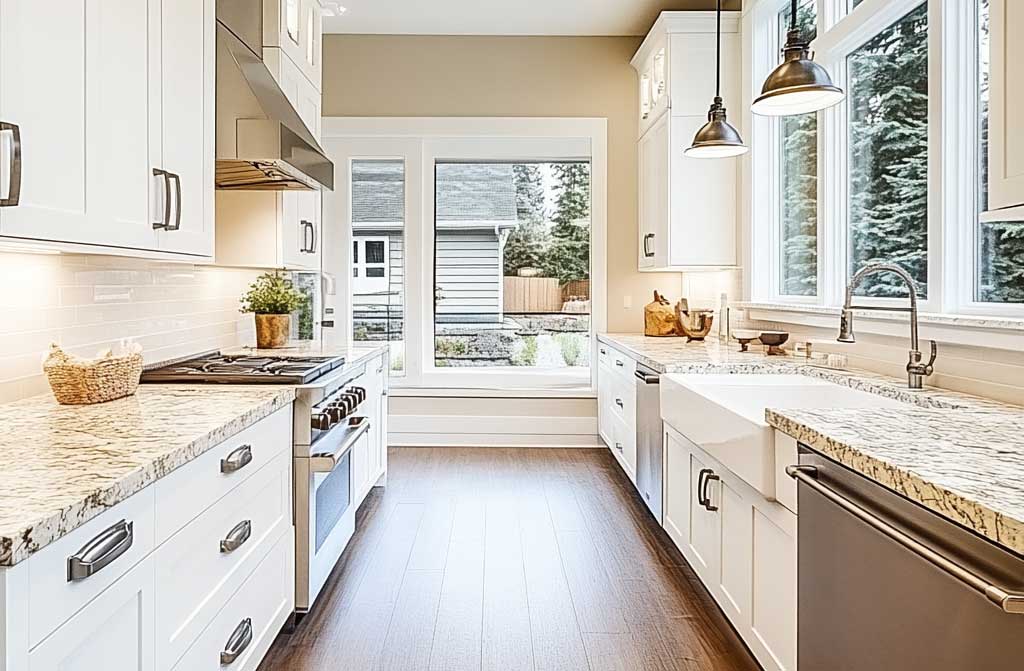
(504, 559)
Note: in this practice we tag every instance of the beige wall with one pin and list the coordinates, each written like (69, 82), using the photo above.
(387, 75)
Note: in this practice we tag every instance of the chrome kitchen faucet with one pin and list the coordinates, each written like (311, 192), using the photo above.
(916, 369)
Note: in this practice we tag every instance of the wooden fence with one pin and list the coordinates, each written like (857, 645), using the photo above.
(578, 288)
(532, 294)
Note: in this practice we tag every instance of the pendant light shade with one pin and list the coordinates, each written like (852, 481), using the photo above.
(717, 138)
(798, 85)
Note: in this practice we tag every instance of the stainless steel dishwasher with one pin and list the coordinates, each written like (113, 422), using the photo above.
(885, 583)
(650, 466)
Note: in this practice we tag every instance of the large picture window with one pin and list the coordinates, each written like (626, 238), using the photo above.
(512, 264)
(474, 247)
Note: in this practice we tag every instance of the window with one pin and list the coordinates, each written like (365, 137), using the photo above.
(512, 264)
(378, 280)
(897, 173)
(888, 155)
(485, 230)
(1000, 244)
(798, 180)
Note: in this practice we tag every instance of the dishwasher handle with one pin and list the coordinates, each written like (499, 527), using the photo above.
(647, 378)
(1009, 602)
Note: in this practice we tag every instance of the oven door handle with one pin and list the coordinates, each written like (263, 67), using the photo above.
(325, 462)
(1009, 602)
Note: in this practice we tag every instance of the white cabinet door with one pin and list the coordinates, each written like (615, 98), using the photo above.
(702, 203)
(677, 490)
(75, 81)
(703, 541)
(774, 586)
(114, 632)
(1006, 121)
(654, 196)
(735, 554)
(300, 230)
(187, 34)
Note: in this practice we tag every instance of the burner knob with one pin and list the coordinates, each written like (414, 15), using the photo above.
(359, 392)
(321, 421)
(336, 412)
(354, 398)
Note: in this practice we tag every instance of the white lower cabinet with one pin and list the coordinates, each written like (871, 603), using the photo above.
(114, 633)
(616, 400)
(167, 591)
(742, 547)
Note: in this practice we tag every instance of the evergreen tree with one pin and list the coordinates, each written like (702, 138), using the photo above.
(525, 245)
(569, 255)
(799, 176)
(888, 147)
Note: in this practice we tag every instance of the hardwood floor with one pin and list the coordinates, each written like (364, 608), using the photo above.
(505, 559)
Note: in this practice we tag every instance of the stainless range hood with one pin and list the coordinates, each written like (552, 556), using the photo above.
(262, 142)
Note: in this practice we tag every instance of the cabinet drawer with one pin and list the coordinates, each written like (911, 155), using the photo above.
(621, 365)
(187, 492)
(624, 446)
(55, 598)
(265, 600)
(215, 572)
(622, 400)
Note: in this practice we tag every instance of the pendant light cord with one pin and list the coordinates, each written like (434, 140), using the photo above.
(718, 50)
(792, 18)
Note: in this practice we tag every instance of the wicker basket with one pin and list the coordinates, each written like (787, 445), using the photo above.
(77, 381)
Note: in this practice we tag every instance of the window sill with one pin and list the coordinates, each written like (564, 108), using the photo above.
(996, 332)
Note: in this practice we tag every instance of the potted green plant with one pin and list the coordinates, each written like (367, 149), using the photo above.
(272, 298)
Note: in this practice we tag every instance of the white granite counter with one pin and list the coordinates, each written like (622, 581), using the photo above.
(961, 456)
(60, 466)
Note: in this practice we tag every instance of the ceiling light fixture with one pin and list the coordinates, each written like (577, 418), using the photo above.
(798, 85)
(717, 138)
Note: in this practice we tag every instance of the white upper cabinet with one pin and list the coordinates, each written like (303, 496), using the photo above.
(1006, 121)
(98, 100)
(188, 37)
(687, 206)
(295, 27)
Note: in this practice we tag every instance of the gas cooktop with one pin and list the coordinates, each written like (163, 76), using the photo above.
(245, 369)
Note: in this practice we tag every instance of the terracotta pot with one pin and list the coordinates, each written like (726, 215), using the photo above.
(272, 330)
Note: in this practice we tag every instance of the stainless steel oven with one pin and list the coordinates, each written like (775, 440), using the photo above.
(324, 487)
(885, 583)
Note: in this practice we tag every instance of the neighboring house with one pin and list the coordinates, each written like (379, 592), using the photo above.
(476, 211)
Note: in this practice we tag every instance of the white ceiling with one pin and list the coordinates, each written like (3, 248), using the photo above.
(506, 17)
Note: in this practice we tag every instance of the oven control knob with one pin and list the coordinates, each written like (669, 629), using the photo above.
(321, 421)
(336, 412)
(359, 392)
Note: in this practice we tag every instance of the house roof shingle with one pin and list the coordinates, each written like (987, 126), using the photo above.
(466, 192)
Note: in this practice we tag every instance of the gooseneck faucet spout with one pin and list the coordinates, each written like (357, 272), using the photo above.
(916, 369)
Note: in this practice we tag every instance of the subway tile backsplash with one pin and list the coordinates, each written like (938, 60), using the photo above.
(90, 303)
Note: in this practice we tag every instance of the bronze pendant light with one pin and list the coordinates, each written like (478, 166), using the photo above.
(798, 85)
(717, 138)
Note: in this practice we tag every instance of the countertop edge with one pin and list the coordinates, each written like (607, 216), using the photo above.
(65, 520)
(968, 513)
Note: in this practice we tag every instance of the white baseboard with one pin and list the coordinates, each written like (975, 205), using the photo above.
(483, 431)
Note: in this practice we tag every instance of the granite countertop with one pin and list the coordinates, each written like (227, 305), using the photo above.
(959, 455)
(60, 466)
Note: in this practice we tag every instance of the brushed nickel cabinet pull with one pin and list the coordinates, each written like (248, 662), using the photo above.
(240, 639)
(166, 221)
(236, 537)
(177, 201)
(98, 553)
(237, 460)
(14, 178)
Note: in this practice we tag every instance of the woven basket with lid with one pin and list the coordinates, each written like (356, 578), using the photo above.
(78, 381)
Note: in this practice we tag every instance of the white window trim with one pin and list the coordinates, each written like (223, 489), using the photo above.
(953, 145)
(424, 139)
